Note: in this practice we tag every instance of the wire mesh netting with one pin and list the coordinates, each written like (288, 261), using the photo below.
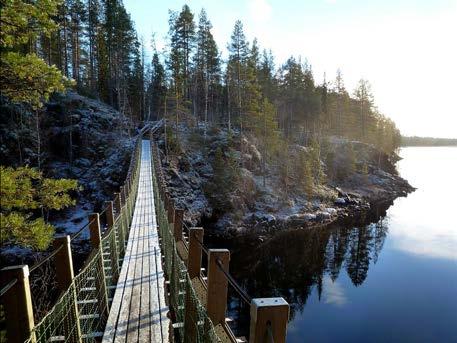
(81, 312)
(197, 327)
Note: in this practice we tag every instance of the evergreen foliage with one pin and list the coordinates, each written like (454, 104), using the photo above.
(95, 43)
(26, 78)
(226, 175)
(23, 192)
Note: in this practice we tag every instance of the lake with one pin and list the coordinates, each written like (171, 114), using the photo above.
(389, 276)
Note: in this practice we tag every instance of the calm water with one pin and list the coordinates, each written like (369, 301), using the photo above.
(388, 277)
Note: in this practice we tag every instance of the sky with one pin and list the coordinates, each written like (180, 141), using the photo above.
(407, 49)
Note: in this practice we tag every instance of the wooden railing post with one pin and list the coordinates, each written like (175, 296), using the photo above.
(64, 274)
(18, 304)
(179, 214)
(63, 262)
(100, 281)
(117, 203)
(122, 192)
(194, 260)
(269, 318)
(216, 303)
(94, 230)
(109, 213)
(170, 208)
(127, 187)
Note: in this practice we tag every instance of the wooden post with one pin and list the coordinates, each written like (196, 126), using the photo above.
(94, 229)
(194, 260)
(170, 209)
(18, 304)
(127, 201)
(63, 262)
(95, 239)
(109, 213)
(269, 318)
(179, 214)
(122, 192)
(216, 303)
(127, 187)
(117, 203)
(64, 275)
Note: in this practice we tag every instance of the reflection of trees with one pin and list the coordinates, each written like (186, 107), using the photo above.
(293, 262)
(358, 258)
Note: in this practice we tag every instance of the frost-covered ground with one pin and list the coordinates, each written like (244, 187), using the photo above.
(259, 207)
(101, 143)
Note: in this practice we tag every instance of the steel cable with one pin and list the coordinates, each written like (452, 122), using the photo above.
(202, 246)
(44, 260)
(242, 293)
(76, 234)
(8, 286)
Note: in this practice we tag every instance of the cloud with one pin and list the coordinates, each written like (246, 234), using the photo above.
(260, 10)
(333, 293)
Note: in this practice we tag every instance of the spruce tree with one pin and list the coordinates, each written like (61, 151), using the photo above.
(157, 87)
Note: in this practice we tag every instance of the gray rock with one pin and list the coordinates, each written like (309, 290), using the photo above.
(340, 201)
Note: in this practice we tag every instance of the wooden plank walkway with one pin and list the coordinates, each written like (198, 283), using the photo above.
(138, 311)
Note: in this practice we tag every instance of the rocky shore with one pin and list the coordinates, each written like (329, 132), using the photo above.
(261, 206)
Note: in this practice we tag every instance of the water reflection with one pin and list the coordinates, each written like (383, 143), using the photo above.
(390, 275)
(293, 262)
(424, 222)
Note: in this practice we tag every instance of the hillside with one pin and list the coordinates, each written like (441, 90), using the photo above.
(250, 197)
(77, 138)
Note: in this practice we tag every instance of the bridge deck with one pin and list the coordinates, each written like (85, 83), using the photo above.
(139, 312)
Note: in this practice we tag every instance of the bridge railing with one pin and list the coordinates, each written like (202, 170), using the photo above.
(81, 310)
(199, 303)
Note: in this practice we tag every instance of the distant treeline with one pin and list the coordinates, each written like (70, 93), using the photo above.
(427, 141)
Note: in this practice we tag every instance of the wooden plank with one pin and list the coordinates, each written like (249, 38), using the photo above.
(111, 326)
(122, 324)
(144, 322)
(139, 311)
(159, 309)
(133, 314)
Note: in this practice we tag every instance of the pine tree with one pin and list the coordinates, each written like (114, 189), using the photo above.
(26, 77)
(182, 36)
(266, 76)
(93, 27)
(22, 191)
(78, 18)
(236, 68)
(207, 67)
(182, 39)
(364, 98)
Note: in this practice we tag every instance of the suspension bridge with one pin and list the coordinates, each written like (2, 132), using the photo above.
(143, 280)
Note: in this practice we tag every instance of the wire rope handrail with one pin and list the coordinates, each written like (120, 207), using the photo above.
(241, 292)
(167, 235)
(81, 310)
(8, 286)
(44, 260)
(202, 245)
